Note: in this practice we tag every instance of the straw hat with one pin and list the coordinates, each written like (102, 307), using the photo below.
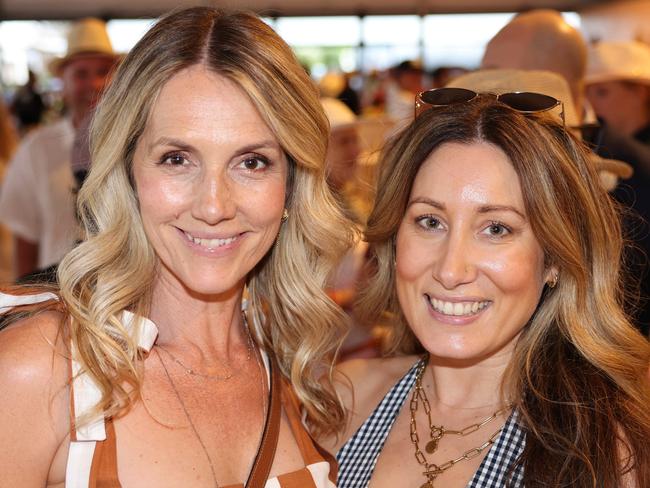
(622, 60)
(331, 84)
(338, 113)
(86, 37)
(546, 82)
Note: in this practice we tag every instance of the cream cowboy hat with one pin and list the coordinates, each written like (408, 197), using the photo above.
(622, 60)
(86, 38)
(546, 82)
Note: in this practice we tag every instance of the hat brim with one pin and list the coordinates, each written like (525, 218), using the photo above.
(604, 78)
(56, 65)
(614, 166)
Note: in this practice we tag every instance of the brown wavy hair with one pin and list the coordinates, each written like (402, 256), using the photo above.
(579, 373)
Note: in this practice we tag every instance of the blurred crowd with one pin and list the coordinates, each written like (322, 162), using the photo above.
(604, 90)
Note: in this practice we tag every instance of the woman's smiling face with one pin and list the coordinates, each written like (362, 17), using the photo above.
(211, 181)
(470, 272)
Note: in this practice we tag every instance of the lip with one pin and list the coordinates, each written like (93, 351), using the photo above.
(456, 320)
(218, 249)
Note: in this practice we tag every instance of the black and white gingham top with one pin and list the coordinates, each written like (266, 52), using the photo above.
(358, 456)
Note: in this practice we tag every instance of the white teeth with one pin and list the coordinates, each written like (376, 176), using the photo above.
(457, 308)
(210, 243)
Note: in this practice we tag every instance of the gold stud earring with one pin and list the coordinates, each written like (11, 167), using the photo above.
(553, 281)
(285, 215)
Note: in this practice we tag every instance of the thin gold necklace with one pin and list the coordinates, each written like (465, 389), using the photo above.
(187, 413)
(217, 377)
(431, 470)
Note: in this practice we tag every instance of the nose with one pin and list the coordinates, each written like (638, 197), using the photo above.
(455, 263)
(213, 197)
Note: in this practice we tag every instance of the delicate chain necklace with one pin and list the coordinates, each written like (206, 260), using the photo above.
(193, 372)
(187, 413)
(437, 432)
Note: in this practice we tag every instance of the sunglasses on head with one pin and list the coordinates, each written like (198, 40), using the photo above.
(524, 102)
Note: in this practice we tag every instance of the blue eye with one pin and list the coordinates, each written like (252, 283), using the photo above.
(497, 229)
(428, 222)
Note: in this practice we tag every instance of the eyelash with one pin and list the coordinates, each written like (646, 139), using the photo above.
(421, 221)
(423, 218)
(496, 223)
(165, 159)
(256, 157)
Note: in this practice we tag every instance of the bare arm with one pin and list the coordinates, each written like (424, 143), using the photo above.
(33, 423)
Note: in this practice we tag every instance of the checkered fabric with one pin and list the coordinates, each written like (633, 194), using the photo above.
(358, 456)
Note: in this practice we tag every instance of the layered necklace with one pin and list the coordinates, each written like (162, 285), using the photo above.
(192, 372)
(437, 432)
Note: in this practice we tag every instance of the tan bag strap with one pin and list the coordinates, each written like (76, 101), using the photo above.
(266, 453)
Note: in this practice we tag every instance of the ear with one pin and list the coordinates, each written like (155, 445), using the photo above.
(551, 276)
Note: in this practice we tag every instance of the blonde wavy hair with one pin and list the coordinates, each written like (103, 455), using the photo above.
(114, 268)
(579, 373)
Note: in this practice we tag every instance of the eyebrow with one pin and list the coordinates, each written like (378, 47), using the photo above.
(170, 141)
(483, 209)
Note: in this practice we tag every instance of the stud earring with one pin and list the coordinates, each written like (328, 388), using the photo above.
(285, 215)
(553, 281)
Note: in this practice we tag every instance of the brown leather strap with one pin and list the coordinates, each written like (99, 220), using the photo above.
(266, 453)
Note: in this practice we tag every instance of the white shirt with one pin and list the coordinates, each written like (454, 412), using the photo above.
(36, 199)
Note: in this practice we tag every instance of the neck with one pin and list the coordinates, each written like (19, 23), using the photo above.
(213, 325)
(476, 386)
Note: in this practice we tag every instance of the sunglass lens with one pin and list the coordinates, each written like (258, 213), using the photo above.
(446, 96)
(529, 102)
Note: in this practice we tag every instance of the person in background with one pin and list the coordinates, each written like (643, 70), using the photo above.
(405, 81)
(8, 143)
(618, 86)
(27, 105)
(191, 330)
(343, 152)
(497, 261)
(533, 41)
(36, 200)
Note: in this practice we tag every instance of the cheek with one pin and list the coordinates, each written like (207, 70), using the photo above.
(160, 197)
(517, 273)
(412, 255)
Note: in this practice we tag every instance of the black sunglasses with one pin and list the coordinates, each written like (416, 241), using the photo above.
(524, 102)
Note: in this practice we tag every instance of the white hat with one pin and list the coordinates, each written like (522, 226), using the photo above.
(86, 37)
(338, 113)
(499, 81)
(622, 60)
(545, 82)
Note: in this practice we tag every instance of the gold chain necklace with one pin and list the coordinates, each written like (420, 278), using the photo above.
(187, 413)
(226, 377)
(431, 470)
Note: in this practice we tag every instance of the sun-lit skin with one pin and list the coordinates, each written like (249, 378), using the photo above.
(210, 178)
(465, 243)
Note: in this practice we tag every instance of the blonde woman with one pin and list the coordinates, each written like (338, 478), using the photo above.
(148, 368)
(497, 260)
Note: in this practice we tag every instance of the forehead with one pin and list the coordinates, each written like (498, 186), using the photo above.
(88, 62)
(474, 174)
(202, 104)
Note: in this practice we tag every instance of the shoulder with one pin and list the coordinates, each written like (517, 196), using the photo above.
(31, 350)
(50, 139)
(362, 384)
(35, 397)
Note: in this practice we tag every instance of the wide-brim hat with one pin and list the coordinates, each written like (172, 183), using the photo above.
(86, 38)
(618, 61)
(338, 113)
(499, 81)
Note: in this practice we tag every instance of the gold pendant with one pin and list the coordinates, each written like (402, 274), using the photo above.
(431, 446)
(428, 484)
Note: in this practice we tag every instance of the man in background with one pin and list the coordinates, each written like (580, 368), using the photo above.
(37, 201)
